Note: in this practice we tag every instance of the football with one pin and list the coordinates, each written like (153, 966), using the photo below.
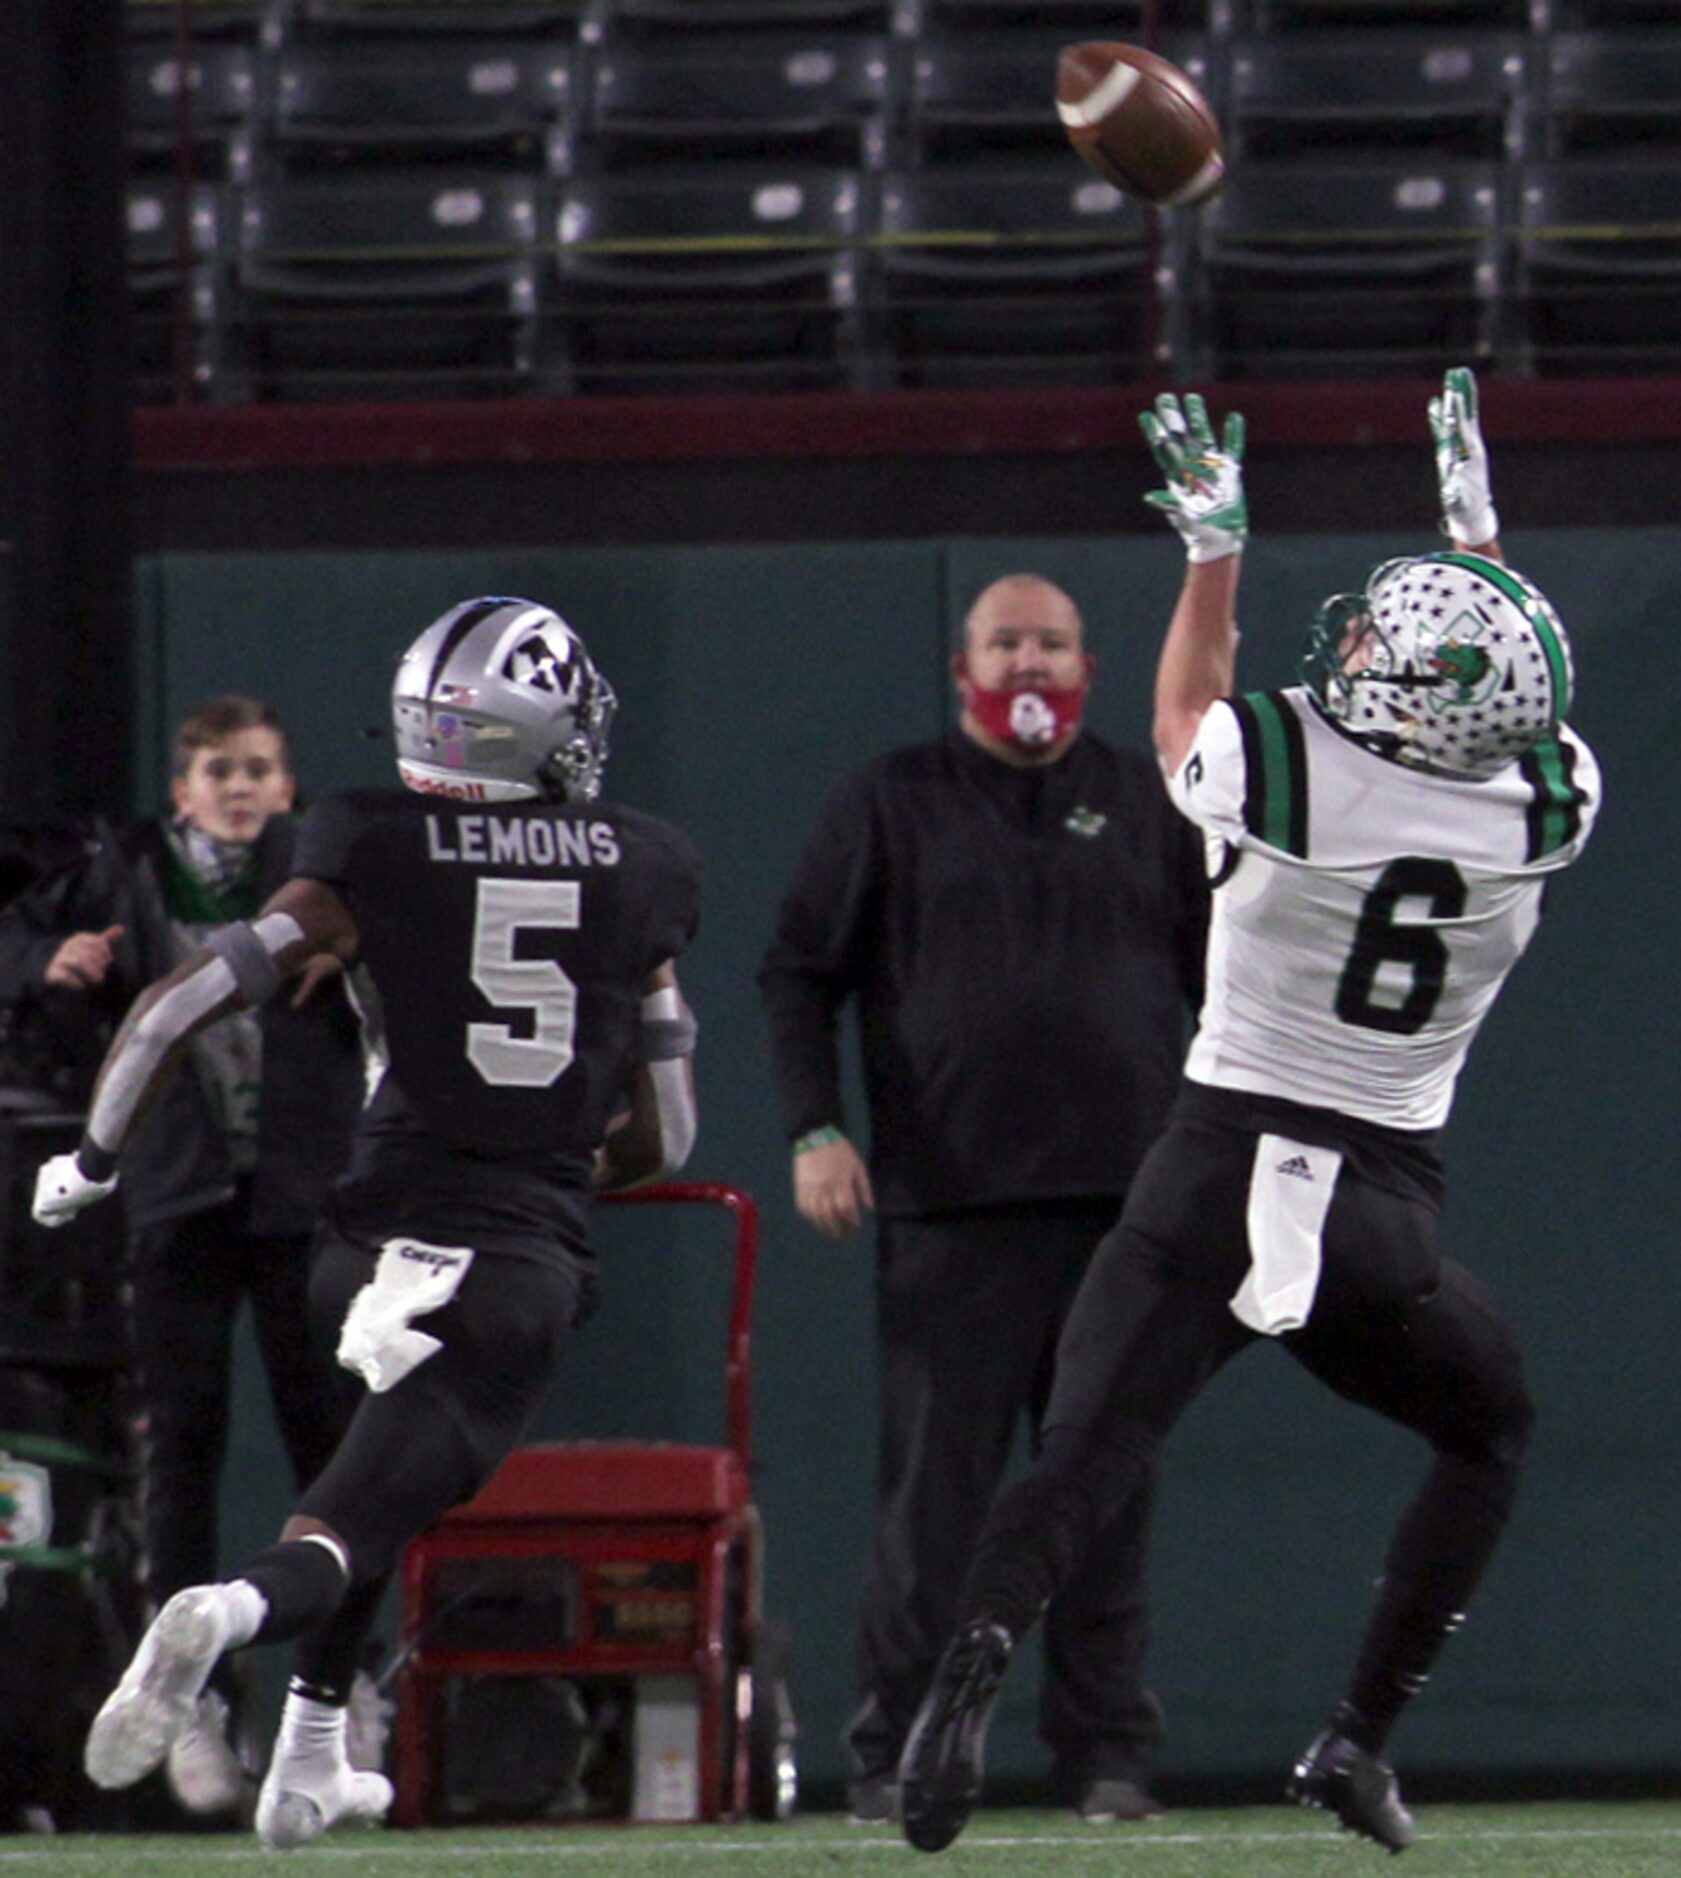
(1140, 123)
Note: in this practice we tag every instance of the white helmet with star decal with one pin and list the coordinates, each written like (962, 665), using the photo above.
(498, 700)
(1447, 662)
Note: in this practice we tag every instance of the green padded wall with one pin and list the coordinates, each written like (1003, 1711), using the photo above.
(751, 679)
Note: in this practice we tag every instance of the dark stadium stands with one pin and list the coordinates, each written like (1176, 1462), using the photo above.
(1485, 176)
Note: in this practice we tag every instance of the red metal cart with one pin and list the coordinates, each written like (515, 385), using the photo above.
(632, 1568)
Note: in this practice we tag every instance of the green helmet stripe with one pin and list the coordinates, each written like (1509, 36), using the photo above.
(1521, 594)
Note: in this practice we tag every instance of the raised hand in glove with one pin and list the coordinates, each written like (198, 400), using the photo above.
(62, 1190)
(1204, 495)
(1462, 462)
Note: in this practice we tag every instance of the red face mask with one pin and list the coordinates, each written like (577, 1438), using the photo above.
(1030, 718)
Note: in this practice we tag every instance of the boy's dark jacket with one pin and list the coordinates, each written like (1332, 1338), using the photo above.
(176, 1161)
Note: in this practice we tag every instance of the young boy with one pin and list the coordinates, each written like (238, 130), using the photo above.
(223, 1177)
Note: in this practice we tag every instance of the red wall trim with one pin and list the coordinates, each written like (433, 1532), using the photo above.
(864, 424)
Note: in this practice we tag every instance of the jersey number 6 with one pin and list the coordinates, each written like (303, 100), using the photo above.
(1380, 940)
(539, 986)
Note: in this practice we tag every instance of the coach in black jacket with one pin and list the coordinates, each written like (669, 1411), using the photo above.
(225, 1175)
(1019, 914)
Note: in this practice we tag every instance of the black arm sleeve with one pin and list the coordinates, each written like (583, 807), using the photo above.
(815, 961)
(1192, 944)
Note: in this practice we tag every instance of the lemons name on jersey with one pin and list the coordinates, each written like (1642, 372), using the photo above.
(509, 952)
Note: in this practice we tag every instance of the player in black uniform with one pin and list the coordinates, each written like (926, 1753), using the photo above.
(516, 938)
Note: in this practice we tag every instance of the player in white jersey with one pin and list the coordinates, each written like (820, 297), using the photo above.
(1379, 839)
(1368, 929)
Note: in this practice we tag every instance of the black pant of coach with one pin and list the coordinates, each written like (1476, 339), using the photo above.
(997, 1280)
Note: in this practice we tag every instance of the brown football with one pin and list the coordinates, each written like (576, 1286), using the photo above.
(1140, 123)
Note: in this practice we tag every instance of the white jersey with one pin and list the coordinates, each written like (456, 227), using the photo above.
(1365, 914)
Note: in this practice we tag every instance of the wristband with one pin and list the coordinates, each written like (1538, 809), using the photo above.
(1472, 531)
(824, 1137)
(96, 1163)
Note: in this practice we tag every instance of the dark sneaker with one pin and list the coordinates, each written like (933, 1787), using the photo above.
(1106, 1802)
(875, 1801)
(1356, 1786)
(940, 1772)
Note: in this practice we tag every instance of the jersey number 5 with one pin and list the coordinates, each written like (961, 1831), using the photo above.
(539, 986)
(1379, 939)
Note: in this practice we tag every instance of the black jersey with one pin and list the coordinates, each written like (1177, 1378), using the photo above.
(1023, 945)
(508, 946)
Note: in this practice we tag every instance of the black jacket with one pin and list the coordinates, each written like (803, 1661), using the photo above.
(1023, 945)
(176, 1159)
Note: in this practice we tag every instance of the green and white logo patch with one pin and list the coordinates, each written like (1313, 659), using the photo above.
(1468, 674)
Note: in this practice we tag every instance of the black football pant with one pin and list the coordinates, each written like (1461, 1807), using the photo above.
(413, 1451)
(1394, 1327)
(969, 1308)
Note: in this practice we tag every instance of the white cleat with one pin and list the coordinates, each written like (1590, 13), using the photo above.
(299, 1802)
(157, 1699)
(367, 1725)
(203, 1771)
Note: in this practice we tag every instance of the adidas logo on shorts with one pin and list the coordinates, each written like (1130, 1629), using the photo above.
(1296, 1166)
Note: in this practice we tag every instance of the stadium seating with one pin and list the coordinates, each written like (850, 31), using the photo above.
(972, 95)
(416, 286)
(392, 21)
(821, 99)
(1275, 16)
(1613, 15)
(1009, 274)
(211, 19)
(505, 103)
(677, 19)
(1303, 270)
(178, 286)
(727, 277)
(1067, 19)
(1398, 173)
(1611, 94)
(1599, 267)
(1338, 94)
(207, 103)
(969, 95)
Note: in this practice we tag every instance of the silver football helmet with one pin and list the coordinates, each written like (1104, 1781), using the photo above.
(498, 700)
(1448, 662)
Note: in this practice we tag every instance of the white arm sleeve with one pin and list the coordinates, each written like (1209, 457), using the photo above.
(129, 1074)
(668, 1026)
(675, 1103)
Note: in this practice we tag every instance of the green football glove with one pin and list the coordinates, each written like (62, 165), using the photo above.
(1468, 514)
(1204, 495)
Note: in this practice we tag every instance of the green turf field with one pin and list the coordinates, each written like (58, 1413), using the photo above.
(1640, 1840)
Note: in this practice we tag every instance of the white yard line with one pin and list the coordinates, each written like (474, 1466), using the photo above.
(414, 1847)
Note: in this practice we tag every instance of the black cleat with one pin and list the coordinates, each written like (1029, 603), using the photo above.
(1108, 1802)
(875, 1800)
(940, 1770)
(1359, 1788)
